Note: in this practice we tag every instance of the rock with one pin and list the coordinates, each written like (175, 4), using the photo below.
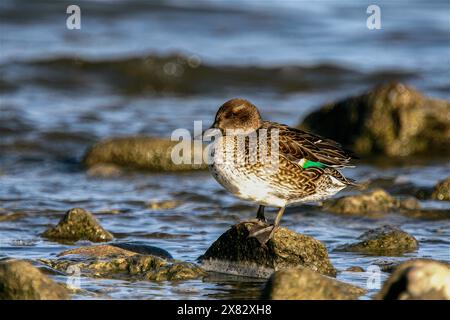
(373, 203)
(428, 214)
(10, 216)
(355, 269)
(144, 153)
(164, 204)
(393, 120)
(442, 190)
(418, 279)
(105, 170)
(386, 240)
(143, 249)
(78, 224)
(117, 249)
(305, 284)
(19, 280)
(107, 261)
(235, 253)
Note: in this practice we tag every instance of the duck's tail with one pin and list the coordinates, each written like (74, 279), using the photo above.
(341, 178)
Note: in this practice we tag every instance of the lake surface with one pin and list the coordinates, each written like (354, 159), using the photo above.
(150, 67)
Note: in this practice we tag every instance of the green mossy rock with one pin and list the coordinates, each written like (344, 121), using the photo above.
(373, 203)
(392, 120)
(143, 153)
(78, 224)
(383, 241)
(235, 253)
(109, 261)
(19, 280)
(442, 190)
(304, 284)
(418, 279)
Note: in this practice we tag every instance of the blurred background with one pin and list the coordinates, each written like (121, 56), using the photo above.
(149, 67)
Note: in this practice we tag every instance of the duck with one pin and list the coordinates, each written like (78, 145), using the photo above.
(271, 164)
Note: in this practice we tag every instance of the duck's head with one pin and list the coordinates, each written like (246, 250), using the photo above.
(237, 115)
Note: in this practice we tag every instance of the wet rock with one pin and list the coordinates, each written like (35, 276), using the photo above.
(442, 190)
(393, 120)
(304, 284)
(105, 170)
(235, 253)
(78, 224)
(19, 280)
(386, 240)
(355, 269)
(117, 249)
(164, 204)
(418, 279)
(428, 214)
(113, 262)
(144, 153)
(10, 216)
(374, 203)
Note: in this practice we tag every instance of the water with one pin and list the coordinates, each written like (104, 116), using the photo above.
(149, 67)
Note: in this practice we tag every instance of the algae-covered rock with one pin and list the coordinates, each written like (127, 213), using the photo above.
(19, 280)
(235, 253)
(117, 249)
(304, 284)
(355, 269)
(104, 170)
(108, 261)
(428, 214)
(393, 120)
(6, 215)
(418, 279)
(78, 224)
(144, 153)
(386, 240)
(375, 202)
(442, 190)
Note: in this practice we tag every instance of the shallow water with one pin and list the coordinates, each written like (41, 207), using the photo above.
(128, 78)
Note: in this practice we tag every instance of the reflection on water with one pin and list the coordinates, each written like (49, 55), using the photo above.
(145, 67)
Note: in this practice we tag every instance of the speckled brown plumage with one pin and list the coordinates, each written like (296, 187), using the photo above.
(299, 166)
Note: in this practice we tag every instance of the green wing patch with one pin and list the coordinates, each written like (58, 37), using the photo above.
(311, 164)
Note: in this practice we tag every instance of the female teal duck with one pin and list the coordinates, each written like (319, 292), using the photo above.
(272, 164)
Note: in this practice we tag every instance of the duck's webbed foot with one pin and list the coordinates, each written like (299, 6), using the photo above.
(262, 234)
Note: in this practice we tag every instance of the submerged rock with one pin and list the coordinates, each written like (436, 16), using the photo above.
(144, 153)
(355, 269)
(374, 203)
(428, 214)
(108, 261)
(19, 280)
(386, 240)
(78, 224)
(418, 279)
(393, 120)
(117, 249)
(10, 216)
(235, 253)
(304, 284)
(105, 170)
(442, 190)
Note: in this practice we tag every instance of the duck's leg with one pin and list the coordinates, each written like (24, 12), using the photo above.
(260, 219)
(257, 224)
(260, 214)
(265, 234)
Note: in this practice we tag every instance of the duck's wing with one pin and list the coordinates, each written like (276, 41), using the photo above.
(298, 146)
